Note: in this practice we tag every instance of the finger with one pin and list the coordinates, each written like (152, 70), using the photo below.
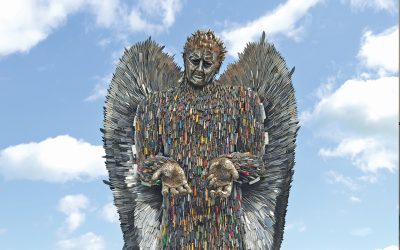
(228, 164)
(210, 177)
(173, 191)
(189, 190)
(212, 181)
(212, 193)
(178, 169)
(227, 191)
(228, 188)
(219, 192)
(223, 194)
(213, 164)
(182, 191)
(156, 175)
(235, 173)
(164, 190)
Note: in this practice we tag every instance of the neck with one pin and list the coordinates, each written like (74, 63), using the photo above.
(195, 88)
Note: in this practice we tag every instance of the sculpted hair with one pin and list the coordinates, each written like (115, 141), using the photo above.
(205, 39)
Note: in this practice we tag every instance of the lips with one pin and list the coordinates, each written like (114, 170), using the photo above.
(198, 75)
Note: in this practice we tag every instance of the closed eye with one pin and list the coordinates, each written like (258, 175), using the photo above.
(195, 61)
(207, 64)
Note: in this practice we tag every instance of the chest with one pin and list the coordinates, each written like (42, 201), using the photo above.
(215, 110)
(182, 124)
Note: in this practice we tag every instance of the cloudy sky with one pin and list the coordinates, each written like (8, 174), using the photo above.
(57, 58)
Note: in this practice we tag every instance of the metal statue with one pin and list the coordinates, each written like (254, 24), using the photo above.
(199, 163)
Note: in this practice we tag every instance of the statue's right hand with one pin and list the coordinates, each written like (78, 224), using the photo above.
(173, 179)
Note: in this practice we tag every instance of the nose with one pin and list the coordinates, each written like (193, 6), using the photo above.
(201, 67)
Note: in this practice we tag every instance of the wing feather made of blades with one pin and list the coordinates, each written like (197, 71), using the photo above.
(261, 68)
(144, 68)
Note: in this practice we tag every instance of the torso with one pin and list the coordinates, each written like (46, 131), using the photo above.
(193, 127)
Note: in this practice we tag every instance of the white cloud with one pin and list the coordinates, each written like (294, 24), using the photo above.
(334, 177)
(282, 20)
(88, 241)
(361, 232)
(100, 89)
(109, 213)
(355, 199)
(361, 115)
(298, 226)
(2, 231)
(368, 154)
(325, 89)
(59, 159)
(391, 247)
(153, 16)
(369, 178)
(302, 228)
(372, 101)
(381, 51)
(73, 207)
(387, 5)
(106, 11)
(104, 42)
(25, 23)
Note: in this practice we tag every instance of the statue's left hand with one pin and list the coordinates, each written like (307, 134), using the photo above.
(221, 175)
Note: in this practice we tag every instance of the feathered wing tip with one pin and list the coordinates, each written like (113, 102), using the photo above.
(262, 38)
(143, 68)
(148, 68)
(261, 68)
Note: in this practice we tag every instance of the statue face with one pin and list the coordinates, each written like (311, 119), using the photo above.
(201, 65)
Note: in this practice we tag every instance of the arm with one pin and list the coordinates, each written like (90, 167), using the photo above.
(151, 167)
(155, 169)
(251, 168)
(245, 166)
(248, 160)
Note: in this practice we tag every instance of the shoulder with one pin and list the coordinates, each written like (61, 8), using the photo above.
(234, 90)
(155, 97)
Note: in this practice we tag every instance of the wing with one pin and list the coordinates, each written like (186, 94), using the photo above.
(262, 68)
(143, 68)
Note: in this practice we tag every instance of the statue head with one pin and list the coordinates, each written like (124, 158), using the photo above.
(203, 55)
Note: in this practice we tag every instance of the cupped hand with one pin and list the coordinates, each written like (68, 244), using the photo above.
(221, 175)
(173, 179)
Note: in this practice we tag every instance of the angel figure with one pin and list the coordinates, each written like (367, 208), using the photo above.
(199, 163)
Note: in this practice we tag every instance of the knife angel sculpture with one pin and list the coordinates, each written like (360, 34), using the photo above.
(199, 163)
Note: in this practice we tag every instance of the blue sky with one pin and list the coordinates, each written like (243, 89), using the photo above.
(57, 58)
